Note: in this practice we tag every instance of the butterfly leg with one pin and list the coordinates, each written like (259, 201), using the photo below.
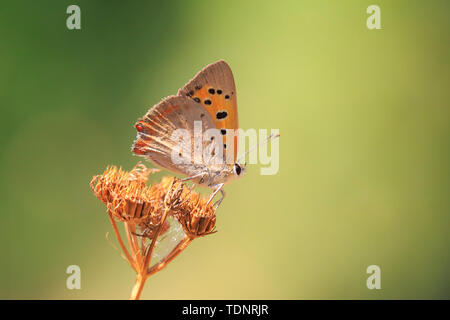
(218, 202)
(191, 188)
(193, 177)
(219, 188)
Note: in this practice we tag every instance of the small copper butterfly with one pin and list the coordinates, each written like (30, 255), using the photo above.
(209, 99)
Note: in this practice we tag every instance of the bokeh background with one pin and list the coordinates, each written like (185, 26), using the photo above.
(364, 149)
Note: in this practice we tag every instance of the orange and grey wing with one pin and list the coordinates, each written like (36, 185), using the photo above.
(155, 130)
(214, 88)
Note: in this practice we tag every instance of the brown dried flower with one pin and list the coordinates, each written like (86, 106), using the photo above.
(144, 210)
(197, 217)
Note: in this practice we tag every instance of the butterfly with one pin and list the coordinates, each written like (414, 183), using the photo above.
(209, 100)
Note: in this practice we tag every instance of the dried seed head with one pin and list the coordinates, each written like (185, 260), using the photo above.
(174, 197)
(125, 194)
(132, 203)
(149, 227)
(140, 173)
(197, 217)
(129, 199)
(114, 180)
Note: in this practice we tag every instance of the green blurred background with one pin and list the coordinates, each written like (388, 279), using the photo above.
(364, 149)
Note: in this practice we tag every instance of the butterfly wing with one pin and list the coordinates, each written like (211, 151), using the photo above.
(214, 88)
(155, 135)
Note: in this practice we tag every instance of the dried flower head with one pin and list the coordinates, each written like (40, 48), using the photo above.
(125, 194)
(197, 217)
(174, 198)
(144, 211)
(114, 179)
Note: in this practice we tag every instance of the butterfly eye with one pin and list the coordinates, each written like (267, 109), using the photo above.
(237, 169)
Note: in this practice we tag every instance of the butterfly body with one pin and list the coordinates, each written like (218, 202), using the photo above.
(207, 102)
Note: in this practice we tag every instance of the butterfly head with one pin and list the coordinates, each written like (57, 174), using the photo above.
(238, 170)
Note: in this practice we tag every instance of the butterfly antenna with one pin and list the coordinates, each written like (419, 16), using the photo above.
(273, 136)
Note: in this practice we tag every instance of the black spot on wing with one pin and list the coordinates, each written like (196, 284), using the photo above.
(221, 115)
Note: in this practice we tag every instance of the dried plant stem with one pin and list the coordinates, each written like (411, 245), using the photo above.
(139, 285)
(142, 270)
(146, 209)
(172, 255)
(153, 243)
(133, 241)
(119, 238)
(142, 277)
(140, 257)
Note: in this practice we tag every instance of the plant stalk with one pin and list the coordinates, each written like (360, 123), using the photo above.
(138, 286)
